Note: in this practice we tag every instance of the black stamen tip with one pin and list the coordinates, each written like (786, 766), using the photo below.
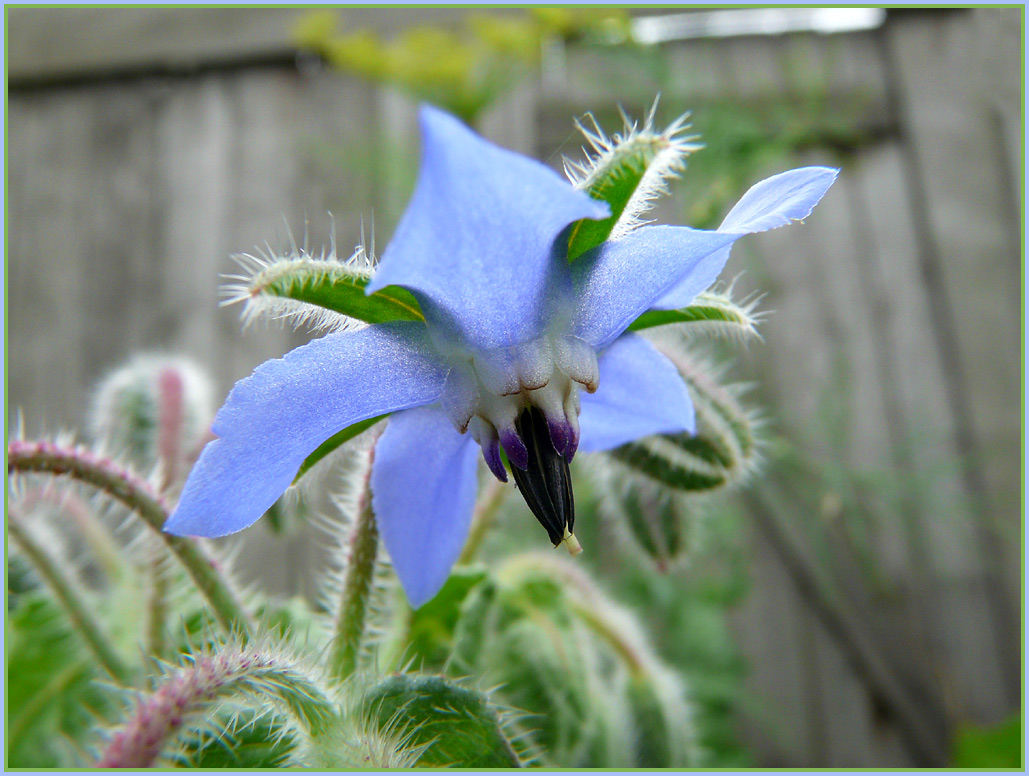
(546, 483)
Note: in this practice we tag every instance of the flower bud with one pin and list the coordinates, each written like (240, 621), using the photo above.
(454, 725)
(153, 409)
(573, 659)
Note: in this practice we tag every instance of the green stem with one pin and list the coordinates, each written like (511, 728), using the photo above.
(84, 620)
(138, 496)
(485, 512)
(357, 588)
(157, 603)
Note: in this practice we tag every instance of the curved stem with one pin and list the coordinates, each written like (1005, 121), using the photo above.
(190, 690)
(84, 620)
(138, 496)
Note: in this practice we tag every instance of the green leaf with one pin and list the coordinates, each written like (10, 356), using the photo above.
(710, 313)
(53, 704)
(458, 726)
(994, 747)
(627, 172)
(334, 442)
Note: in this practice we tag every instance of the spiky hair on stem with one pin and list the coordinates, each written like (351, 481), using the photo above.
(643, 157)
(184, 694)
(273, 283)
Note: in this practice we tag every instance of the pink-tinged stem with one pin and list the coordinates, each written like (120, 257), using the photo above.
(137, 495)
(186, 691)
(169, 453)
(169, 425)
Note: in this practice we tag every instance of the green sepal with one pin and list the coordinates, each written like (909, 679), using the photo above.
(345, 294)
(334, 442)
(458, 726)
(710, 311)
(682, 472)
(328, 283)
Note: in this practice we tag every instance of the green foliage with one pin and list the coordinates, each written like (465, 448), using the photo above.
(333, 443)
(457, 726)
(431, 631)
(1001, 746)
(53, 698)
(463, 70)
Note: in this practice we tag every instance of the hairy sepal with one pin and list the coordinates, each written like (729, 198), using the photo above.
(627, 171)
(322, 292)
(711, 313)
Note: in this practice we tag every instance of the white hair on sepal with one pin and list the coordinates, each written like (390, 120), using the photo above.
(655, 156)
(270, 280)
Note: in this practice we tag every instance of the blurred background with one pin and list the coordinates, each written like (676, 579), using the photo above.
(858, 604)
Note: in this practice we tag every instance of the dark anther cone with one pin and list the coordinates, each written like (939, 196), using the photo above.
(546, 484)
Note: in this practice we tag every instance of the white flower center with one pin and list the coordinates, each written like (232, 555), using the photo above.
(485, 394)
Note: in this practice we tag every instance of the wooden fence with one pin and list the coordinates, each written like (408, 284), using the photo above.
(886, 553)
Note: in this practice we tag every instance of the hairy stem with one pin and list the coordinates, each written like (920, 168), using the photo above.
(138, 496)
(357, 586)
(84, 620)
(187, 691)
(157, 603)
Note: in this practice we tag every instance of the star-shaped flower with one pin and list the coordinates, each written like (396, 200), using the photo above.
(523, 348)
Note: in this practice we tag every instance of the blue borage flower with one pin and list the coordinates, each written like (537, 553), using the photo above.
(520, 351)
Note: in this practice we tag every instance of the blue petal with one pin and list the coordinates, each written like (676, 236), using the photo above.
(423, 493)
(779, 200)
(774, 202)
(275, 418)
(640, 393)
(475, 241)
(618, 281)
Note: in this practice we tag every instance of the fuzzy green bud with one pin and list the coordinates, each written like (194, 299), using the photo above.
(457, 725)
